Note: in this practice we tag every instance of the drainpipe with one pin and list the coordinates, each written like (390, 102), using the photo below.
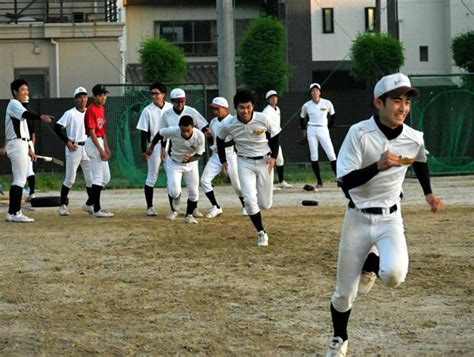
(56, 58)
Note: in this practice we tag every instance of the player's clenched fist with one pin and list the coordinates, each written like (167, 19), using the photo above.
(435, 202)
(387, 160)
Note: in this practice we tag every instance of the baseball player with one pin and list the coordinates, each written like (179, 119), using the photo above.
(97, 147)
(273, 112)
(316, 118)
(70, 129)
(30, 175)
(371, 167)
(172, 117)
(18, 147)
(256, 140)
(149, 123)
(187, 144)
(214, 166)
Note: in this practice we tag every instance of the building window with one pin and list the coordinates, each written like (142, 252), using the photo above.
(423, 53)
(370, 19)
(328, 20)
(195, 38)
(37, 79)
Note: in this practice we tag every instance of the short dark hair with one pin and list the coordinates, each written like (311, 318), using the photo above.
(186, 120)
(16, 84)
(158, 85)
(243, 96)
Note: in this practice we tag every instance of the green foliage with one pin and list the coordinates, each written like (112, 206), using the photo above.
(463, 51)
(162, 61)
(375, 55)
(262, 55)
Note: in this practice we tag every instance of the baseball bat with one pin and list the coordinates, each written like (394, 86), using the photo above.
(309, 203)
(51, 159)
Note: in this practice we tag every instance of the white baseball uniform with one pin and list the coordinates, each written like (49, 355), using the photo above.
(176, 169)
(318, 131)
(214, 166)
(151, 120)
(18, 137)
(275, 114)
(252, 159)
(384, 229)
(171, 118)
(73, 121)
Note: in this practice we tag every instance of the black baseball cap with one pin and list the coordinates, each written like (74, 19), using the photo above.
(99, 89)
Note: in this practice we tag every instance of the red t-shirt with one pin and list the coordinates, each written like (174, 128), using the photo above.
(95, 119)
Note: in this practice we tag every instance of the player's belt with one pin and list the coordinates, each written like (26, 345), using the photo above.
(81, 143)
(315, 124)
(254, 157)
(373, 210)
(23, 139)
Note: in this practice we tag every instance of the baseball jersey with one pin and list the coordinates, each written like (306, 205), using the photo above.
(151, 118)
(363, 146)
(273, 114)
(251, 138)
(95, 119)
(170, 118)
(180, 146)
(317, 113)
(15, 125)
(214, 126)
(73, 121)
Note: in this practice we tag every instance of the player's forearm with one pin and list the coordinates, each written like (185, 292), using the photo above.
(303, 123)
(61, 132)
(221, 150)
(95, 140)
(156, 139)
(331, 119)
(359, 177)
(30, 115)
(274, 144)
(194, 158)
(422, 173)
(144, 141)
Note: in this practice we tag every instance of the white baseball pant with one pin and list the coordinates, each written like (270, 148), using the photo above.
(279, 160)
(214, 167)
(360, 233)
(153, 163)
(256, 184)
(73, 160)
(320, 134)
(176, 171)
(100, 170)
(30, 171)
(17, 151)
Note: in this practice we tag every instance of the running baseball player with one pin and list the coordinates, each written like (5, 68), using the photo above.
(316, 118)
(371, 167)
(256, 156)
(187, 145)
(97, 147)
(273, 111)
(214, 166)
(172, 117)
(17, 147)
(149, 123)
(70, 129)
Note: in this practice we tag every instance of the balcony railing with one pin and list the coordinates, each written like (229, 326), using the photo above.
(57, 11)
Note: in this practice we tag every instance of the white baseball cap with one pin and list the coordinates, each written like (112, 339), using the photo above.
(312, 85)
(219, 102)
(394, 86)
(79, 90)
(270, 93)
(177, 94)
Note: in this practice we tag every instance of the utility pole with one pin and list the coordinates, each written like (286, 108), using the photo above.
(392, 19)
(226, 49)
(378, 8)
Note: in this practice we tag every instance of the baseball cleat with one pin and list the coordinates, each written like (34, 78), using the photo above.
(262, 239)
(214, 211)
(172, 216)
(285, 184)
(337, 347)
(30, 197)
(318, 186)
(102, 213)
(189, 219)
(87, 208)
(244, 212)
(366, 282)
(63, 210)
(18, 217)
(276, 188)
(151, 211)
(197, 214)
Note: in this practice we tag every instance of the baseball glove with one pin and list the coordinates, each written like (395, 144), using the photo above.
(308, 187)
(406, 160)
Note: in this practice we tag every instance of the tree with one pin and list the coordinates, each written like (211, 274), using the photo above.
(375, 55)
(463, 50)
(162, 61)
(262, 54)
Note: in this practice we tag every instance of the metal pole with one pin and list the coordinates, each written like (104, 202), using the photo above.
(377, 16)
(225, 49)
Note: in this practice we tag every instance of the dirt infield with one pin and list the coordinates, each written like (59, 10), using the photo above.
(138, 285)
